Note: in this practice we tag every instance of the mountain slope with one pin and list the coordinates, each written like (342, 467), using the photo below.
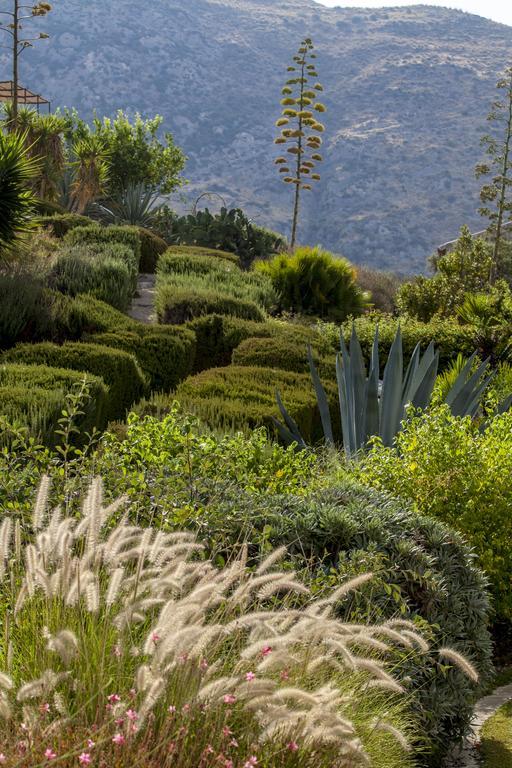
(407, 89)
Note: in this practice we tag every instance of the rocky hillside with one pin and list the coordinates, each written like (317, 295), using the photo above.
(407, 90)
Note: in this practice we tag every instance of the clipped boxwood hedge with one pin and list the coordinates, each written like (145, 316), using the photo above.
(165, 354)
(59, 224)
(91, 315)
(283, 353)
(176, 306)
(94, 234)
(107, 278)
(196, 250)
(118, 369)
(152, 246)
(34, 395)
(237, 397)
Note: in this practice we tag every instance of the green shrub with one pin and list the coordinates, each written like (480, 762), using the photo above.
(94, 316)
(237, 397)
(173, 263)
(423, 571)
(59, 224)
(152, 246)
(35, 395)
(449, 337)
(313, 281)
(105, 278)
(95, 234)
(196, 250)
(282, 353)
(176, 306)
(450, 470)
(380, 286)
(165, 354)
(119, 370)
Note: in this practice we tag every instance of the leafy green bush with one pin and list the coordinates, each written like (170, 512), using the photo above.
(165, 354)
(152, 246)
(96, 235)
(423, 571)
(449, 337)
(119, 370)
(176, 306)
(173, 263)
(59, 224)
(238, 397)
(315, 282)
(35, 396)
(94, 316)
(108, 279)
(196, 250)
(450, 470)
(228, 231)
(283, 353)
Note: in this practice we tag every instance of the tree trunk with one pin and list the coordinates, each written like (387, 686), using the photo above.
(503, 190)
(15, 62)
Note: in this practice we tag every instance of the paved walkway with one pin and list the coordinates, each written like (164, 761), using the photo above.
(143, 304)
(484, 709)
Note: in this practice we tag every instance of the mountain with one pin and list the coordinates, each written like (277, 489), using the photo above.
(407, 91)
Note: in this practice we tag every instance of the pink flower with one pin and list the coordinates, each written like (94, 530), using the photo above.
(250, 676)
(132, 715)
(209, 750)
(183, 658)
(229, 698)
(292, 746)
(233, 743)
(155, 637)
(203, 666)
(285, 675)
(50, 754)
(117, 651)
(44, 708)
(229, 764)
(118, 739)
(185, 708)
(253, 760)
(91, 744)
(119, 721)
(2, 757)
(172, 709)
(226, 731)
(85, 758)
(266, 650)
(114, 698)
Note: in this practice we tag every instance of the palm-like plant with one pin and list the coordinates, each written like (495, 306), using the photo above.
(17, 170)
(136, 204)
(90, 172)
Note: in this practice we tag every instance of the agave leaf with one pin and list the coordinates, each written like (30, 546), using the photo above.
(410, 374)
(504, 406)
(291, 424)
(343, 373)
(473, 404)
(460, 380)
(321, 397)
(460, 404)
(391, 398)
(348, 443)
(358, 380)
(426, 382)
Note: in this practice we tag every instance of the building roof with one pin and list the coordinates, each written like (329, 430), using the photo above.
(24, 95)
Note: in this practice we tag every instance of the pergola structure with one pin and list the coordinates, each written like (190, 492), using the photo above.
(24, 95)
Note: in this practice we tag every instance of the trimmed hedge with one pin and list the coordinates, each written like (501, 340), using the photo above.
(176, 306)
(35, 395)
(106, 278)
(165, 354)
(91, 316)
(282, 353)
(196, 250)
(218, 336)
(59, 224)
(118, 369)
(237, 397)
(152, 246)
(95, 234)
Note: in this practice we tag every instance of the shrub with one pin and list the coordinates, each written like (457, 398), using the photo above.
(315, 282)
(381, 287)
(176, 306)
(196, 250)
(450, 470)
(239, 397)
(59, 224)
(449, 337)
(281, 353)
(35, 395)
(165, 354)
(119, 370)
(94, 316)
(423, 571)
(105, 278)
(173, 263)
(152, 246)
(203, 678)
(97, 235)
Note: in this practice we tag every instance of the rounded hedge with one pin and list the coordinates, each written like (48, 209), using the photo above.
(176, 306)
(282, 353)
(152, 246)
(59, 224)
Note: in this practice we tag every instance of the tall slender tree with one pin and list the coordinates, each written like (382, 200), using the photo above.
(496, 194)
(13, 26)
(300, 127)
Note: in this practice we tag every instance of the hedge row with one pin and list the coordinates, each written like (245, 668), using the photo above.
(284, 354)
(59, 224)
(119, 370)
(35, 395)
(196, 250)
(180, 305)
(96, 235)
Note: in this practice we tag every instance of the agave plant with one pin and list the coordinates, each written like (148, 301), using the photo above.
(136, 204)
(17, 171)
(370, 407)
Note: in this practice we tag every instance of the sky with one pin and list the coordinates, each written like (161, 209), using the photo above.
(497, 10)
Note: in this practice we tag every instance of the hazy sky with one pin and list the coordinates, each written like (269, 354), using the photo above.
(498, 10)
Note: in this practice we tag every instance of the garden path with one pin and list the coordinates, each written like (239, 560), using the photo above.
(143, 303)
(484, 709)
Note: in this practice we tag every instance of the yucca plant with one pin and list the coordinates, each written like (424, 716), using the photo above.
(126, 646)
(136, 204)
(17, 171)
(371, 407)
(90, 165)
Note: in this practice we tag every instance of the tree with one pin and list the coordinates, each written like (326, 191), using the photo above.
(300, 127)
(17, 16)
(136, 154)
(16, 200)
(496, 194)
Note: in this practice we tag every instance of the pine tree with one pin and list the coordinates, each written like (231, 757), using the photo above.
(300, 127)
(496, 195)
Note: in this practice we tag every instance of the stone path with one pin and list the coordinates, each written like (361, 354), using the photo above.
(485, 708)
(143, 303)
